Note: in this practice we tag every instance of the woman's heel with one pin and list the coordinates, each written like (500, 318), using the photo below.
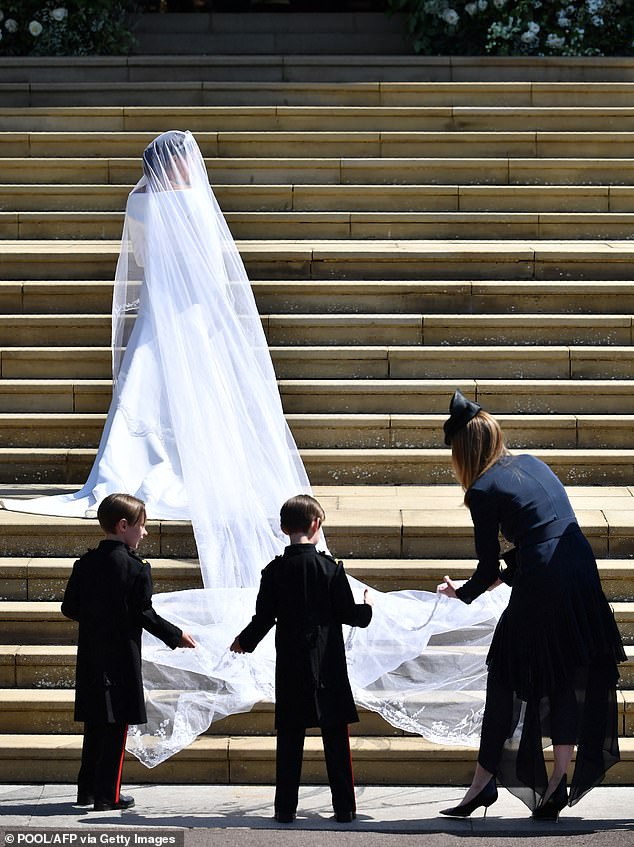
(486, 798)
(549, 811)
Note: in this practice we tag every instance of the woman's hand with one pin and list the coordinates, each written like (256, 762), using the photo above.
(447, 587)
(367, 599)
(235, 647)
(186, 641)
(494, 584)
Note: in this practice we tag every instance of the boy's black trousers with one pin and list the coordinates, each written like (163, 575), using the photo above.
(102, 761)
(290, 750)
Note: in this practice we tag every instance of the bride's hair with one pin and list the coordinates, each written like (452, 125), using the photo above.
(475, 447)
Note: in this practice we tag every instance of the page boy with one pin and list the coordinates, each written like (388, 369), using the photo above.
(307, 596)
(110, 593)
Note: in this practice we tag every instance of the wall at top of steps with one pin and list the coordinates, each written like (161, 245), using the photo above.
(363, 33)
(16, 71)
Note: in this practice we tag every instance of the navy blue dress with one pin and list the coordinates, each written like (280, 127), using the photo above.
(558, 628)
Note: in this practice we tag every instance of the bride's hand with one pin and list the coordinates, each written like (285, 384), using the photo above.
(447, 587)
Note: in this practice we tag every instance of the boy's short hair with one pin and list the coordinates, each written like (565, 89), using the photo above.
(297, 514)
(115, 507)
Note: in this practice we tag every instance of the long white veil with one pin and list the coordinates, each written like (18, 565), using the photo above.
(196, 429)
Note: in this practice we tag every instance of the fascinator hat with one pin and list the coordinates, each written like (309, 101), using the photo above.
(461, 411)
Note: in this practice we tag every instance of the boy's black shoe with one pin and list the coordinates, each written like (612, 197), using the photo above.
(345, 817)
(124, 802)
(284, 817)
(84, 799)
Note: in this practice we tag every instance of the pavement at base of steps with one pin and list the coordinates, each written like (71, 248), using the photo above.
(241, 816)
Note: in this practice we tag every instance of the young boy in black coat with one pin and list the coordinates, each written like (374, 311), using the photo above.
(307, 595)
(110, 593)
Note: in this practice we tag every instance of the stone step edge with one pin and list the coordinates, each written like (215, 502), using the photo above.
(60, 654)
(364, 350)
(249, 747)
(346, 318)
(102, 137)
(524, 87)
(344, 419)
(443, 189)
(472, 287)
(386, 385)
(327, 216)
(294, 109)
(63, 699)
(34, 611)
(332, 489)
(112, 168)
(509, 250)
(572, 455)
(375, 61)
(344, 287)
(58, 567)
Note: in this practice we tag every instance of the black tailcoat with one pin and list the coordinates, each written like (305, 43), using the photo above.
(307, 595)
(110, 593)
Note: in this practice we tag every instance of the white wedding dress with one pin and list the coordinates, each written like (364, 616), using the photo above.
(196, 430)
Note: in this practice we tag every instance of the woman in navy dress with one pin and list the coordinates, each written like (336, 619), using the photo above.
(552, 664)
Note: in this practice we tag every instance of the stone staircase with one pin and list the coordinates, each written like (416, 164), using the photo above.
(406, 234)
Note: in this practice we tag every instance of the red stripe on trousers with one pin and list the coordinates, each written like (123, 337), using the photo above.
(118, 785)
(351, 770)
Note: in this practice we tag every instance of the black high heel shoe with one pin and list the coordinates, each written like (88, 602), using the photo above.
(486, 798)
(549, 811)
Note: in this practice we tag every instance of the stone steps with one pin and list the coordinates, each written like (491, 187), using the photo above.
(313, 118)
(364, 525)
(217, 80)
(315, 259)
(368, 396)
(376, 466)
(357, 361)
(35, 669)
(336, 169)
(344, 225)
(324, 144)
(396, 330)
(248, 760)
(334, 296)
(50, 712)
(541, 199)
(51, 668)
(357, 431)
(44, 579)
(41, 622)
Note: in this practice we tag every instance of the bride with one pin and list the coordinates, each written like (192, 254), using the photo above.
(196, 430)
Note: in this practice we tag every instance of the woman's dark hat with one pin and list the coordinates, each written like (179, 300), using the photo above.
(461, 411)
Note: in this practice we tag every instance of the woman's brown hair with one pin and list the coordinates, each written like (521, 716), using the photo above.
(475, 447)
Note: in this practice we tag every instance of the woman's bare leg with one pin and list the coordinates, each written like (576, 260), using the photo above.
(562, 754)
(480, 778)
